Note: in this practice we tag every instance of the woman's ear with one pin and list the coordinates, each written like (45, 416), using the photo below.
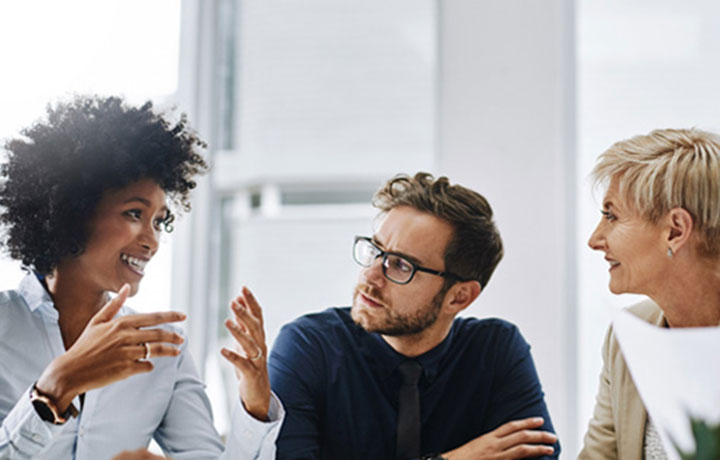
(461, 295)
(680, 225)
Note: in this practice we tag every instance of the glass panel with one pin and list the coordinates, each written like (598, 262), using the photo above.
(224, 70)
(295, 266)
(340, 87)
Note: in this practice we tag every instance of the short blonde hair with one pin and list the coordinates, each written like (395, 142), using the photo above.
(665, 169)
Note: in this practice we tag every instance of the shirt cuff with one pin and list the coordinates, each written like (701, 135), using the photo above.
(276, 413)
(253, 438)
(27, 433)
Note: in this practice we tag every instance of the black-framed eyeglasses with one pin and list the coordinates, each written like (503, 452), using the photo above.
(396, 267)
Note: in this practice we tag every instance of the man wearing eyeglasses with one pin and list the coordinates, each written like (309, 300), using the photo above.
(398, 376)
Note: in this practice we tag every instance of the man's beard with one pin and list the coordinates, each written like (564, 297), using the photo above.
(394, 324)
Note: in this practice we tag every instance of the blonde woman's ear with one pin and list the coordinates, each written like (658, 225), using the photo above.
(680, 224)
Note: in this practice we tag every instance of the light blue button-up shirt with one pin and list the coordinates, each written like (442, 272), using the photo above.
(168, 404)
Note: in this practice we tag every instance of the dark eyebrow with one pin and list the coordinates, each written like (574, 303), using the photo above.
(144, 201)
(412, 259)
(138, 199)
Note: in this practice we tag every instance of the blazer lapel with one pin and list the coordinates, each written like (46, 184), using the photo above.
(631, 435)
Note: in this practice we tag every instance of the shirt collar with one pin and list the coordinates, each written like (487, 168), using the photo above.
(36, 296)
(386, 359)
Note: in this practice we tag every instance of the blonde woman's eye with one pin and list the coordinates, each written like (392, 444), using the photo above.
(607, 215)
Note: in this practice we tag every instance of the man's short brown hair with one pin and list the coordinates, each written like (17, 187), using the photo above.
(476, 247)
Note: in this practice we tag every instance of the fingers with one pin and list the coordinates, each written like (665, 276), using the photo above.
(154, 335)
(247, 322)
(152, 319)
(253, 304)
(248, 315)
(110, 309)
(518, 425)
(519, 439)
(527, 437)
(247, 330)
(527, 450)
(155, 350)
(253, 351)
(243, 364)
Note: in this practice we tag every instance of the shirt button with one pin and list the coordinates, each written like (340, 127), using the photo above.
(36, 437)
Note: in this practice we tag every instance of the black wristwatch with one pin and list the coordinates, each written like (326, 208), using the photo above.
(46, 409)
(433, 457)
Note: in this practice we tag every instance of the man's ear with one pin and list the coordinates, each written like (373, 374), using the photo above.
(461, 295)
(680, 226)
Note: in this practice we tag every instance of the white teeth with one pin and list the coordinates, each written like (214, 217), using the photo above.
(134, 262)
(614, 263)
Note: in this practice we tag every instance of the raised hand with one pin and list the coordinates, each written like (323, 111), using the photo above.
(109, 349)
(249, 356)
(513, 440)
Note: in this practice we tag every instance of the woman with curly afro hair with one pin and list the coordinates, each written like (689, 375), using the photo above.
(84, 196)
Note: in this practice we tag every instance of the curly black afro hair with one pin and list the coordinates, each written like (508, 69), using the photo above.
(56, 174)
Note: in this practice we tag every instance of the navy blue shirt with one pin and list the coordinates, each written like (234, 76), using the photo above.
(340, 387)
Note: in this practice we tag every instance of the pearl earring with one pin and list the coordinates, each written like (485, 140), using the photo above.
(670, 253)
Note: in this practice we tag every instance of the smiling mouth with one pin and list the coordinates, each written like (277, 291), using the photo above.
(613, 263)
(135, 264)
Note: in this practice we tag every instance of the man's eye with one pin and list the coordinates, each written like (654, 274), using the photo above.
(400, 264)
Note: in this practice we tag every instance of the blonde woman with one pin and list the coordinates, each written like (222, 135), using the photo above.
(660, 234)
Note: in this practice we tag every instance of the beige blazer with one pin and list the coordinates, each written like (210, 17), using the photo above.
(617, 427)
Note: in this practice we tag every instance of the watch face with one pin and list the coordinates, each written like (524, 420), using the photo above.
(43, 410)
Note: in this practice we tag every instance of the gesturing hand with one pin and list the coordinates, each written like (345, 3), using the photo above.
(249, 358)
(516, 439)
(109, 349)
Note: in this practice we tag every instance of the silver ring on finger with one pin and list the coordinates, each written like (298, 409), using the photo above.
(258, 356)
(147, 351)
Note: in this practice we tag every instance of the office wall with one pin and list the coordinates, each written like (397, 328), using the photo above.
(506, 129)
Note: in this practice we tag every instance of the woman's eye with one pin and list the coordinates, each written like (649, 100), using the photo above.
(608, 215)
(134, 213)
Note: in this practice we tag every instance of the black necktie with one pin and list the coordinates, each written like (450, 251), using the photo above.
(408, 427)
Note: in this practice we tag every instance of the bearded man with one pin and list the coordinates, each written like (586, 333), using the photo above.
(398, 375)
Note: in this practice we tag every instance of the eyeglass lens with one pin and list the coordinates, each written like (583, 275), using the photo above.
(395, 268)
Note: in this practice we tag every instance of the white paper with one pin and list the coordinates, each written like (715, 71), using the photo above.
(677, 373)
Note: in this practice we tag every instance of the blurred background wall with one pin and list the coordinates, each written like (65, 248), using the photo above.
(307, 107)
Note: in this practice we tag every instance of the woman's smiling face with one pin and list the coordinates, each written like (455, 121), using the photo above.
(635, 248)
(123, 237)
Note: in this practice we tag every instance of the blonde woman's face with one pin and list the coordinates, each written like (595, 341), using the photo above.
(635, 248)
